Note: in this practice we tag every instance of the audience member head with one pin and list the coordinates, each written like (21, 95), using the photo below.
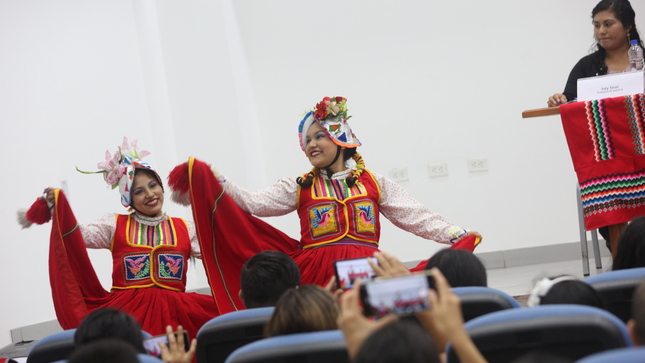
(401, 341)
(636, 324)
(110, 350)
(265, 277)
(564, 290)
(460, 267)
(109, 323)
(305, 309)
(631, 246)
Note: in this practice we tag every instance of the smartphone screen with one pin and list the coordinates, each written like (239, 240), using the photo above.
(349, 271)
(152, 344)
(399, 295)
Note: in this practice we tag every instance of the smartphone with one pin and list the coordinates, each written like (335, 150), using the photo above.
(349, 271)
(399, 295)
(152, 344)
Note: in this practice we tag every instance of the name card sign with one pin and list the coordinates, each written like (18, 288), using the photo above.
(611, 85)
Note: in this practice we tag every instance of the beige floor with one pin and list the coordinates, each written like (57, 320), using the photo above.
(520, 280)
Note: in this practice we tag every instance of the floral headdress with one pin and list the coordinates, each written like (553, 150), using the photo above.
(331, 114)
(118, 169)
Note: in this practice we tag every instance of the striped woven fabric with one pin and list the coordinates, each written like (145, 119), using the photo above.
(607, 143)
(162, 234)
(335, 188)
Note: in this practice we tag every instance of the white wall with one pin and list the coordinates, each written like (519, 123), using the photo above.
(227, 81)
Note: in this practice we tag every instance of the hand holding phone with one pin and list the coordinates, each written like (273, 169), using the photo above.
(349, 271)
(399, 295)
(152, 344)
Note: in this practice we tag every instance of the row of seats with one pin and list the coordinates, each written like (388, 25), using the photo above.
(493, 319)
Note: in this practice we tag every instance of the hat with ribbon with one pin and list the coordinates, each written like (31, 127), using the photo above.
(119, 169)
(331, 114)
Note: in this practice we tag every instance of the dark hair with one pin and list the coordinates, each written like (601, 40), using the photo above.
(151, 173)
(109, 323)
(401, 341)
(266, 276)
(306, 309)
(110, 350)
(631, 246)
(624, 12)
(638, 311)
(573, 292)
(348, 153)
(460, 267)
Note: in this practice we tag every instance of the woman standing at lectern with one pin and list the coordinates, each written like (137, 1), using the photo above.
(613, 26)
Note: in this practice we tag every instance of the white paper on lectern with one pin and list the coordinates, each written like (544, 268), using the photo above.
(611, 85)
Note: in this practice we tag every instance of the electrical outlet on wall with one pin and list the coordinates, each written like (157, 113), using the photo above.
(477, 164)
(439, 169)
(399, 174)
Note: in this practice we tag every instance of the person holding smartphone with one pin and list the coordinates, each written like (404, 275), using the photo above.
(443, 318)
(339, 201)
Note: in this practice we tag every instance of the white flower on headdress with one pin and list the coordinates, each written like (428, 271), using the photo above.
(132, 150)
(115, 166)
(112, 168)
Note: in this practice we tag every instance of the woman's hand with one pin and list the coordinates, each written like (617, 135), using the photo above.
(332, 287)
(556, 100)
(388, 265)
(174, 352)
(48, 194)
(354, 325)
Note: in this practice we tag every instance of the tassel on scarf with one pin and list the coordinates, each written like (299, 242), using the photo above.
(38, 213)
(179, 184)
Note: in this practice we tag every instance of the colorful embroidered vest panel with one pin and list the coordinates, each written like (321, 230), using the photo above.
(324, 218)
(138, 263)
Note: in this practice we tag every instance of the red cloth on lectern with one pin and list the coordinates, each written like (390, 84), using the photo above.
(607, 144)
(76, 290)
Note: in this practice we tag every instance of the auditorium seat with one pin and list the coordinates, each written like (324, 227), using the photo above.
(314, 347)
(617, 288)
(57, 347)
(220, 336)
(572, 331)
(623, 355)
(477, 301)
(54, 347)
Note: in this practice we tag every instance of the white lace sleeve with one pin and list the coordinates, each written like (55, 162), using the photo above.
(195, 250)
(99, 233)
(409, 214)
(275, 200)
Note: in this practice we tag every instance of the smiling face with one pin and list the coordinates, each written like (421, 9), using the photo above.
(147, 194)
(321, 149)
(609, 31)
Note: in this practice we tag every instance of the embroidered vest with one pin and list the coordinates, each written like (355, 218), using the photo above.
(138, 265)
(325, 219)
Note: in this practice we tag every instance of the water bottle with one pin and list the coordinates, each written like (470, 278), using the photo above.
(635, 56)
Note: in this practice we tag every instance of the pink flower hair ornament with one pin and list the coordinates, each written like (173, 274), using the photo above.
(118, 169)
